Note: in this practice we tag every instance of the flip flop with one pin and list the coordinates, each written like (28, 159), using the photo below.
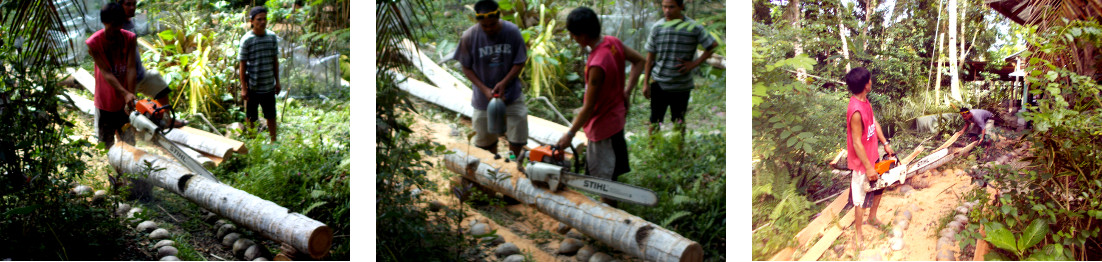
(180, 123)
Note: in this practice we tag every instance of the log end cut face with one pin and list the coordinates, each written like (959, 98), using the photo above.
(693, 253)
(320, 242)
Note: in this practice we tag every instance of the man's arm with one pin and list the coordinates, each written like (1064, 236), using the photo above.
(686, 67)
(647, 74)
(637, 63)
(855, 134)
(880, 137)
(277, 86)
(243, 78)
(101, 63)
(132, 74)
(499, 88)
(596, 77)
(469, 73)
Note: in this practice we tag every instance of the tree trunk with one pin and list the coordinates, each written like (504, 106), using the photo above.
(614, 227)
(845, 46)
(954, 80)
(438, 75)
(937, 84)
(792, 15)
(262, 216)
(869, 6)
(936, 56)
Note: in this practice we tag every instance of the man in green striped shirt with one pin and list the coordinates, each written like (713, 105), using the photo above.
(670, 52)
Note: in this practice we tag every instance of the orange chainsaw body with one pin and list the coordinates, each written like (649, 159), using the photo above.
(150, 108)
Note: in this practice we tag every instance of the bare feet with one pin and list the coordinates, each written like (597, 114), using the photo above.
(874, 222)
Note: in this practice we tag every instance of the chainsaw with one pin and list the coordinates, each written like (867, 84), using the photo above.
(152, 121)
(548, 165)
(891, 172)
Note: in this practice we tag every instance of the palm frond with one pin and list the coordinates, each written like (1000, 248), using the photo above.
(35, 26)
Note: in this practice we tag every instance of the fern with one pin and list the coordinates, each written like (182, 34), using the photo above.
(674, 217)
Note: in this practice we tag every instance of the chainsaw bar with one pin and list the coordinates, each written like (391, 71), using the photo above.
(900, 173)
(612, 189)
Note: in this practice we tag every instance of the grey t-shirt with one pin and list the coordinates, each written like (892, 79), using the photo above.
(491, 58)
(979, 120)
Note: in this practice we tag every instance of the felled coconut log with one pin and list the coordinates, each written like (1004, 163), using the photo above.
(262, 216)
(539, 129)
(612, 226)
(438, 75)
(214, 145)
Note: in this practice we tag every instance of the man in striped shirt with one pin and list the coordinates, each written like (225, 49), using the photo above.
(259, 69)
(670, 51)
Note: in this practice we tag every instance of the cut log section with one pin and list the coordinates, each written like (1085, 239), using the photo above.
(201, 143)
(614, 227)
(237, 146)
(262, 216)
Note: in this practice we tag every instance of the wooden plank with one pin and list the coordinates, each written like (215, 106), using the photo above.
(213, 159)
(238, 146)
(950, 141)
(85, 105)
(831, 234)
(784, 255)
(825, 217)
(83, 78)
(912, 156)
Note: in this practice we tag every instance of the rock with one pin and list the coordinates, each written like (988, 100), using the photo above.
(970, 205)
(209, 217)
(147, 226)
(897, 232)
(569, 246)
(896, 243)
(99, 195)
(82, 190)
(436, 206)
(563, 228)
(906, 189)
(961, 218)
(261, 259)
(229, 239)
(575, 234)
(914, 208)
(948, 232)
(167, 251)
(160, 233)
(907, 214)
(944, 243)
(170, 258)
(956, 226)
(600, 257)
(219, 223)
(226, 229)
(871, 255)
(133, 211)
(514, 258)
(962, 210)
(584, 253)
(480, 229)
(252, 252)
(506, 250)
(165, 242)
(902, 224)
(241, 245)
(946, 254)
(122, 209)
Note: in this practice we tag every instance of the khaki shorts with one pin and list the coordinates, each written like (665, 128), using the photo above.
(152, 85)
(516, 125)
(859, 189)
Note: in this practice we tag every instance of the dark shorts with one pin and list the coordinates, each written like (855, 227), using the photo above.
(108, 124)
(678, 103)
(266, 103)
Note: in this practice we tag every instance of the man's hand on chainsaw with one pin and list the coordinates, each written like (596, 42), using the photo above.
(870, 173)
(888, 149)
(564, 141)
(129, 98)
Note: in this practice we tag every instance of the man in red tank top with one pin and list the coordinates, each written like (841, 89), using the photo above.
(604, 105)
(862, 135)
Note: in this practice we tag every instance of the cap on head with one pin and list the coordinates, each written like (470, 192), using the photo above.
(856, 80)
(256, 11)
(112, 13)
(583, 21)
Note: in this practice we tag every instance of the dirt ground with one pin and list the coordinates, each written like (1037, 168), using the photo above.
(936, 194)
(525, 226)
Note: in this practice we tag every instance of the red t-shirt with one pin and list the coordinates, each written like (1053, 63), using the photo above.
(117, 52)
(608, 113)
(868, 139)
